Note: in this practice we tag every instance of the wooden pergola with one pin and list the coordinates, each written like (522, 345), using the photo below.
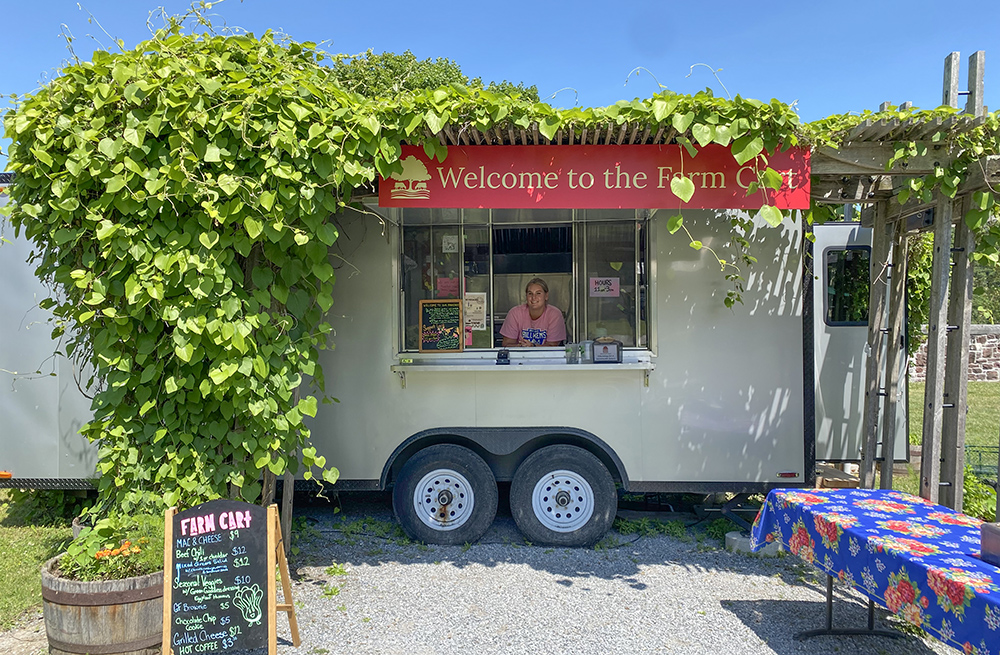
(856, 174)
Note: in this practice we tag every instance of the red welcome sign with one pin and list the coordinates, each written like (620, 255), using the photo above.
(590, 177)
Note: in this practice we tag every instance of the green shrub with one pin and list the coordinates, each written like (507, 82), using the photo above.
(44, 507)
(978, 499)
(116, 547)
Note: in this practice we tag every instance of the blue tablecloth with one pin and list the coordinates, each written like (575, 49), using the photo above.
(918, 559)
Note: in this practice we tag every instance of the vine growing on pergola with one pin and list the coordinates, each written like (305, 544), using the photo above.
(178, 197)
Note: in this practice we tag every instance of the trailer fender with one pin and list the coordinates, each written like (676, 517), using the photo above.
(504, 448)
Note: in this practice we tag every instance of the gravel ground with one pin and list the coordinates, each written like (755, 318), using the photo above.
(359, 589)
(364, 592)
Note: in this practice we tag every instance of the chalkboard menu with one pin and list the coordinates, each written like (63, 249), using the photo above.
(220, 568)
(441, 328)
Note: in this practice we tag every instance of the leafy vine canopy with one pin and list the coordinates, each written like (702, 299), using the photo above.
(178, 197)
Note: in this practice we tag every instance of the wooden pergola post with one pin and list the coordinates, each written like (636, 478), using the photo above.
(937, 333)
(957, 367)
(895, 349)
(873, 349)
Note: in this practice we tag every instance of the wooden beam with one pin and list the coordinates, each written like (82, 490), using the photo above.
(937, 334)
(871, 159)
(850, 189)
(956, 376)
(949, 95)
(876, 319)
(983, 175)
(895, 350)
(974, 101)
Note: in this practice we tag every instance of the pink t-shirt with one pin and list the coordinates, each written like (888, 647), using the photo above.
(550, 326)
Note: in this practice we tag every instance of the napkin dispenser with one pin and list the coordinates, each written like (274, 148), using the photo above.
(606, 351)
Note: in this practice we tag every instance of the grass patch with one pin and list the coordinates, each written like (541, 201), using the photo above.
(647, 527)
(981, 423)
(25, 548)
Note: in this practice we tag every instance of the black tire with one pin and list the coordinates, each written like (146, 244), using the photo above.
(578, 518)
(451, 472)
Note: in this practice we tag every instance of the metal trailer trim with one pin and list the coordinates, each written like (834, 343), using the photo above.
(712, 487)
(48, 483)
(808, 365)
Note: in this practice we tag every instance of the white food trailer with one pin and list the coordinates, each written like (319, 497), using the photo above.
(706, 398)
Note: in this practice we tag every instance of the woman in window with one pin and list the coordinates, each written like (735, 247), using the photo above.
(535, 323)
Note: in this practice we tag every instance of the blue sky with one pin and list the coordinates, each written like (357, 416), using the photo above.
(829, 57)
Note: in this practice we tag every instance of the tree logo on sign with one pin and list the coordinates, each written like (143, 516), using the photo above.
(411, 184)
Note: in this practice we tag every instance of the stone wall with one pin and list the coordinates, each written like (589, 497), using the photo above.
(984, 356)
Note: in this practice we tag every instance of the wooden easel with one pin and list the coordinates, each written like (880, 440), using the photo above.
(275, 557)
(275, 548)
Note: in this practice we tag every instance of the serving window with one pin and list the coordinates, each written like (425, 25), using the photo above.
(593, 261)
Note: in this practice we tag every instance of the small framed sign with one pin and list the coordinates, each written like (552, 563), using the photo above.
(441, 328)
(609, 352)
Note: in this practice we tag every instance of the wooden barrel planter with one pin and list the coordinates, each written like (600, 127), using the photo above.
(107, 617)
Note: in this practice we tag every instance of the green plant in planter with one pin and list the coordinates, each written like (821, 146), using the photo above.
(114, 548)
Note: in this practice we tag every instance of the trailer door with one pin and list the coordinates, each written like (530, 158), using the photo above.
(842, 264)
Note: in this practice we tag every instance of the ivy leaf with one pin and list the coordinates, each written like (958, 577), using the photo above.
(209, 239)
(108, 147)
(308, 406)
(746, 148)
(771, 214)
(327, 233)
(723, 135)
(703, 134)
(212, 153)
(42, 156)
(772, 179)
(682, 122)
(116, 184)
(549, 126)
(663, 108)
(371, 124)
(228, 184)
(686, 142)
(222, 373)
(434, 122)
(253, 227)
(674, 223)
(298, 111)
(131, 135)
(262, 277)
(184, 352)
(682, 187)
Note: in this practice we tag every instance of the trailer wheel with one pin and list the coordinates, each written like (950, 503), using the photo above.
(563, 496)
(445, 494)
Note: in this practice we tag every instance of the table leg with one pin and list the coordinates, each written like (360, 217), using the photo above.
(830, 630)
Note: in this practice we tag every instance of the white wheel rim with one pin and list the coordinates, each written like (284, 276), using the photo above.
(443, 500)
(563, 501)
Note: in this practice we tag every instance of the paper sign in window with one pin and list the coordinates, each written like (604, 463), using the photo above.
(475, 310)
(447, 287)
(605, 287)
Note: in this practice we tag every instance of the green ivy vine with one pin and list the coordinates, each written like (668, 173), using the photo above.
(177, 195)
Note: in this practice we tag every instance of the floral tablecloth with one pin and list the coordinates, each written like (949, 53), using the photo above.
(918, 559)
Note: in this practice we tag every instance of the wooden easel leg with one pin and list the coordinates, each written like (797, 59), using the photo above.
(286, 583)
